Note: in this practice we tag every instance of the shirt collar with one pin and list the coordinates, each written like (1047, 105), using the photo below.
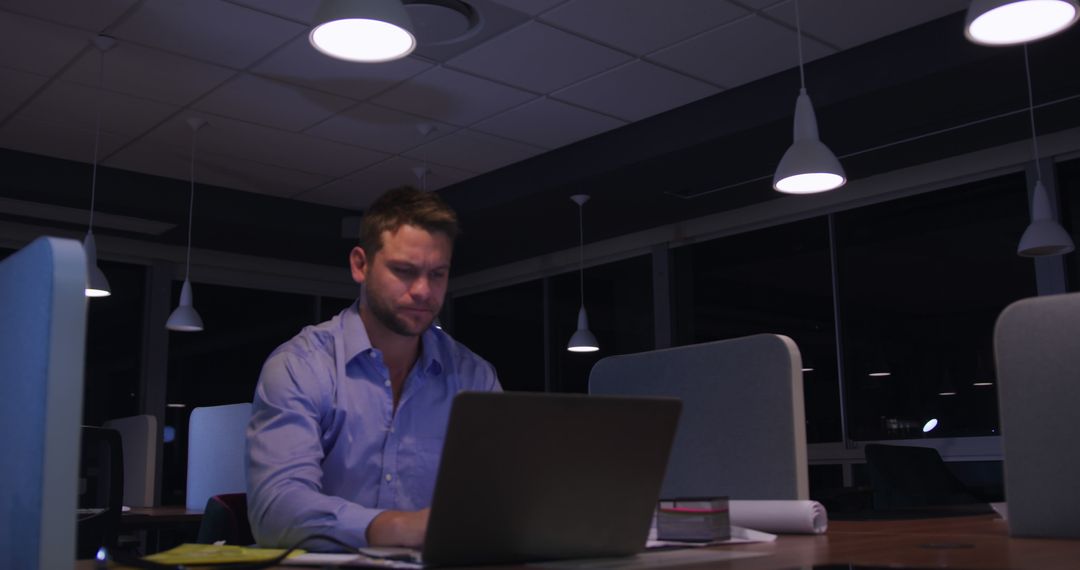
(357, 341)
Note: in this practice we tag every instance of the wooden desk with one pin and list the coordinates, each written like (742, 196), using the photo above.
(139, 518)
(975, 543)
(178, 523)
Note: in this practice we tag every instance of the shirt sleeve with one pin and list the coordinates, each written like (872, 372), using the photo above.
(284, 460)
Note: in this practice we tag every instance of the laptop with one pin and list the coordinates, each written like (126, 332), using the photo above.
(529, 477)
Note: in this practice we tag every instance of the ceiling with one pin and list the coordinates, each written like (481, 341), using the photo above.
(630, 100)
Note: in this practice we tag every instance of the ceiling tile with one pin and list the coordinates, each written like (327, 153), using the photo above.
(379, 128)
(548, 123)
(77, 105)
(57, 139)
(451, 97)
(741, 52)
(31, 45)
(93, 16)
(209, 30)
(848, 23)
(635, 91)
(296, 10)
(515, 58)
(530, 7)
(473, 151)
(173, 161)
(148, 73)
(301, 64)
(18, 87)
(641, 26)
(358, 191)
(229, 137)
(272, 103)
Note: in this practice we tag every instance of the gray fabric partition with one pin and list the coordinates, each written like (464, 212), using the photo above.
(1038, 364)
(742, 432)
(42, 344)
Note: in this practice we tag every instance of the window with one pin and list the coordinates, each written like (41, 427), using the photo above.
(506, 327)
(221, 364)
(922, 282)
(1068, 183)
(114, 336)
(774, 280)
(618, 300)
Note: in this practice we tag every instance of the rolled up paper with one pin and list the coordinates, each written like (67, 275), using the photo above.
(793, 517)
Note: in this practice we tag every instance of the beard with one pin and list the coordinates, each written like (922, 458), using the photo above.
(391, 320)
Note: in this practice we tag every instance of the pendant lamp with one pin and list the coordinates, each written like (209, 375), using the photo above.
(96, 283)
(808, 166)
(184, 318)
(583, 339)
(1010, 22)
(1044, 236)
(367, 31)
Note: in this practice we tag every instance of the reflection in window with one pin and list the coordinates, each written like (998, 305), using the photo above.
(922, 281)
(221, 364)
(114, 336)
(774, 280)
(618, 299)
(506, 327)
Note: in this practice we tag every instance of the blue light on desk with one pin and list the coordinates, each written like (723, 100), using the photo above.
(169, 434)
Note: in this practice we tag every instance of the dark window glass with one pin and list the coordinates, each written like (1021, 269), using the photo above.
(922, 281)
(618, 300)
(1068, 181)
(506, 327)
(221, 364)
(114, 333)
(774, 280)
(329, 307)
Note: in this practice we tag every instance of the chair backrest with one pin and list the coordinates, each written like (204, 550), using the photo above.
(101, 490)
(138, 434)
(1038, 384)
(226, 518)
(741, 433)
(216, 438)
(42, 345)
(909, 476)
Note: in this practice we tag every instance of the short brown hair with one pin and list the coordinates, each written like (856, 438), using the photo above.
(401, 206)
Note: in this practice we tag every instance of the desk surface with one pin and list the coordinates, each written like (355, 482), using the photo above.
(141, 517)
(976, 543)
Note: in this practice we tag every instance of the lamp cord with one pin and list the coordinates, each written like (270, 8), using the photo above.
(97, 140)
(191, 204)
(1031, 113)
(798, 40)
(581, 250)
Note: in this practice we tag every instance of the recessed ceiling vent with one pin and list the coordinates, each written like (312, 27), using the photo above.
(443, 22)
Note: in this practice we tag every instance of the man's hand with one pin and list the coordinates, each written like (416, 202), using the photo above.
(398, 528)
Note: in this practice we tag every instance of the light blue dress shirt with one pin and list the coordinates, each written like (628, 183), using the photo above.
(326, 452)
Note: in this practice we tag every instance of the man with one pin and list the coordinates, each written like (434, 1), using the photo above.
(349, 416)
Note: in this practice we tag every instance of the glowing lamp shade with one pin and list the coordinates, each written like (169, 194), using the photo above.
(368, 31)
(930, 425)
(96, 283)
(808, 166)
(184, 318)
(1009, 22)
(1044, 236)
(583, 340)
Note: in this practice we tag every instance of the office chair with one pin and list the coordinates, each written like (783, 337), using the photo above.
(226, 518)
(216, 440)
(101, 490)
(904, 477)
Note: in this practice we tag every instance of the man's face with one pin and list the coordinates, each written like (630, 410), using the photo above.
(406, 280)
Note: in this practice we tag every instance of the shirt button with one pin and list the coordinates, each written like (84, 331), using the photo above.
(387, 382)
(389, 477)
